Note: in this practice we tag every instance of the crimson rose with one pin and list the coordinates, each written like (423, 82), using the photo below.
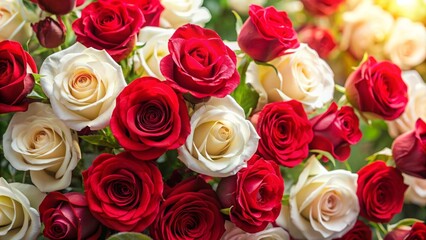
(417, 232)
(150, 118)
(200, 63)
(110, 25)
(67, 216)
(267, 34)
(335, 130)
(360, 231)
(380, 191)
(318, 38)
(16, 80)
(123, 192)
(321, 7)
(377, 88)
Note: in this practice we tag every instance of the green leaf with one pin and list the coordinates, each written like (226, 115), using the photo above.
(403, 222)
(238, 23)
(384, 154)
(37, 92)
(129, 236)
(103, 138)
(246, 97)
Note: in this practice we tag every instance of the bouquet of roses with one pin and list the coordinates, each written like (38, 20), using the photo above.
(131, 119)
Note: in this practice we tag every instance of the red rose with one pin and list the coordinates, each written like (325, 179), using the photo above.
(267, 34)
(151, 10)
(377, 88)
(123, 192)
(110, 25)
(409, 151)
(56, 7)
(200, 63)
(318, 38)
(16, 80)
(150, 118)
(285, 133)
(397, 234)
(360, 231)
(67, 216)
(335, 131)
(322, 7)
(380, 191)
(190, 210)
(417, 232)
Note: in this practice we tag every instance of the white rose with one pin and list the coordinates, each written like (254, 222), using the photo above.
(305, 77)
(416, 191)
(415, 108)
(242, 6)
(19, 217)
(147, 59)
(270, 233)
(15, 21)
(406, 45)
(180, 12)
(82, 85)
(365, 29)
(39, 142)
(221, 139)
(322, 205)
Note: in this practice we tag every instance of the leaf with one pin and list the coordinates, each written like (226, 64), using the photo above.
(129, 236)
(403, 222)
(246, 97)
(384, 154)
(103, 138)
(238, 23)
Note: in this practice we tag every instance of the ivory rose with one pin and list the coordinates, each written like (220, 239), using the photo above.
(180, 12)
(38, 142)
(242, 6)
(221, 139)
(82, 85)
(15, 21)
(19, 217)
(305, 77)
(322, 205)
(232, 232)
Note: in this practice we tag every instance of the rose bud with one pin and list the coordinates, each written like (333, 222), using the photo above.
(318, 38)
(50, 33)
(321, 7)
(67, 216)
(398, 234)
(57, 7)
(409, 151)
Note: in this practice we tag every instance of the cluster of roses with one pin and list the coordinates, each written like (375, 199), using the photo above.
(190, 108)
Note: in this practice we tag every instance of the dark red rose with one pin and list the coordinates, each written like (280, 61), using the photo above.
(50, 33)
(417, 232)
(380, 191)
(123, 192)
(190, 210)
(409, 151)
(285, 133)
(398, 234)
(321, 7)
(150, 118)
(151, 10)
(110, 25)
(377, 88)
(57, 7)
(360, 231)
(335, 131)
(16, 80)
(200, 63)
(67, 216)
(267, 34)
(318, 38)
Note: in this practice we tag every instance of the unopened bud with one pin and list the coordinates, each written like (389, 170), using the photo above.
(57, 7)
(50, 33)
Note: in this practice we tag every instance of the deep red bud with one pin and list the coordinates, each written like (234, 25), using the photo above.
(58, 7)
(50, 33)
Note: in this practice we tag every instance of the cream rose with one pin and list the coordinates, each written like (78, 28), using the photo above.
(221, 139)
(38, 142)
(416, 191)
(15, 21)
(82, 85)
(406, 45)
(415, 107)
(180, 12)
(242, 6)
(147, 59)
(365, 29)
(322, 205)
(304, 77)
(19, 217)
(270, 233)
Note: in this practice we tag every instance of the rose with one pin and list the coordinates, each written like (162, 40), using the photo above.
(180, 12)
(16, 81)
(272, 233)
(285, 133)
(190, 210)
(67, 216)
(150, 118)
(200, 63)
(15, 21)
(221, 139)
(418, 231)
(409, 151)
(151, 10)
(122, 192)
(380, 191)
(242, 6)
(267, 34)
(302, 76)
(415, 106)
(335, 131)
(328, 211)
(360, 231)
(398, 233)
(377, 89)
(50, 33)
(19, 215)
(38, 142)
(405, 46)
(82, 84)
(416, 192)
(57, 7)
(109, 25)
(319, 39)
(322, 7)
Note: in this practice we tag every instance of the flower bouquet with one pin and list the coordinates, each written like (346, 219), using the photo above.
(238, 119)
